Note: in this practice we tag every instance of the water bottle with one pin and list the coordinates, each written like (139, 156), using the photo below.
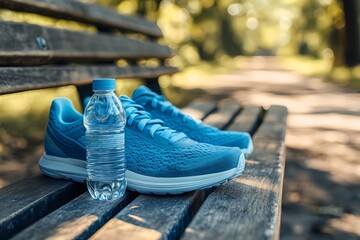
(104, 120)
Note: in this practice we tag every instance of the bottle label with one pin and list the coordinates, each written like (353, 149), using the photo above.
(105, 141)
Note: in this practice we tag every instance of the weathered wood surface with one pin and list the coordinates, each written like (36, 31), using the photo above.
(15, 79)
(224, 114)
(248, 120)
(97, 15)
(248, 207)
(200, 108)
(28, 44)
(153, 217)
(78, 219)
(274, 124)
(159, 217)
(25, 202)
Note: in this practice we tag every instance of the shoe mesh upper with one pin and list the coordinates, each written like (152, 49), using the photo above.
(145, 154)
(200, 132)
(151, 159)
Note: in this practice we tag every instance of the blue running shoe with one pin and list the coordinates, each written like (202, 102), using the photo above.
(159, 160)
(159, 108)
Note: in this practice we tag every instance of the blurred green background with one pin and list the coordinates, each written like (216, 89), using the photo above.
(307, 35)
(209, 37)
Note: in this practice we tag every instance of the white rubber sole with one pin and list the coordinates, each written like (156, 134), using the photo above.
(75, 169)
(248, 150)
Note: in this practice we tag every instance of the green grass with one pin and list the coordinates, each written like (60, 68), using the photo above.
(341, 75)
(307, 66)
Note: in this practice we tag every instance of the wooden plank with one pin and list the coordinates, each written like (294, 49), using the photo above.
(248, 207)
(224, 114)
(78, 219)
(153, 217)
(200, 108)
(15, 79)
(274, 124)
(25, 202)
(28, 44)
(248, 120)
(97, 15)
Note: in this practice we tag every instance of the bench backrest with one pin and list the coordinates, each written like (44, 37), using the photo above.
(34, 57)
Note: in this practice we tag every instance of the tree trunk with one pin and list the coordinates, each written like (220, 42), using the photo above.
(352, 32)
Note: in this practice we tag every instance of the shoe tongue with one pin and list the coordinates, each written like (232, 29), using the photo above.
(143, 91)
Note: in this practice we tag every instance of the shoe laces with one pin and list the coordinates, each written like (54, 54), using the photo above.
(166, 106)
(136, 114)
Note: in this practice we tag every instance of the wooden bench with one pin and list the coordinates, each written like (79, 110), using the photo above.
(34, 57)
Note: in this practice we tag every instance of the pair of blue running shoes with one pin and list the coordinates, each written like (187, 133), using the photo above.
(167, 151)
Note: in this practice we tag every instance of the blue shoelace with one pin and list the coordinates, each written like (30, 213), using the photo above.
(174, 111)
(136, 114)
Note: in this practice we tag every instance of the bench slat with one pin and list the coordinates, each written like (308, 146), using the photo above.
(25, 202)
(28, 44)
(153, 217)
(226, 111)
(200, 108)
(247, 120)
(15, 79)
(86, 13)
(274, 124)
(78, 219)
(248, 207)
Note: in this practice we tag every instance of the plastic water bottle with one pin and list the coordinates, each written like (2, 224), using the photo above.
(104, 120)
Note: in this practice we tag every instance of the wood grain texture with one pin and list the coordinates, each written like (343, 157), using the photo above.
(274, 124)
(248, 119)
(15, 79)
(97, 15)
(200, 108)
(78, 219)
(28, 44)
(248, 207)
(153, 217)
(25, 202)
(224, 114)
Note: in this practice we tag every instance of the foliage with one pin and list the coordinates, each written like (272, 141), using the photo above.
(216, 30)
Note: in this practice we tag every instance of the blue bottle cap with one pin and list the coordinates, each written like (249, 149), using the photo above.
(104, 84)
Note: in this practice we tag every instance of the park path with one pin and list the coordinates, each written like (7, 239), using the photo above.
(321, 197)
